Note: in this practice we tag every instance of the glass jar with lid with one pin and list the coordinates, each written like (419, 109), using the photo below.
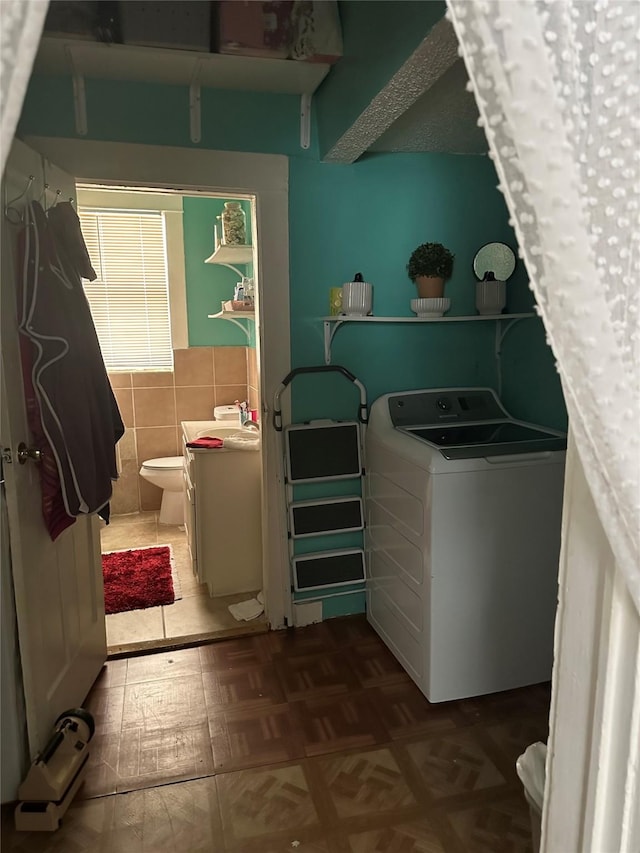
(234, 224)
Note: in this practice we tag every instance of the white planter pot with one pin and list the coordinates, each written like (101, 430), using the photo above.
(357, 298)
(491, 296)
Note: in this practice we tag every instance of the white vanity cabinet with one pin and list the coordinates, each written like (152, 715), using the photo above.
(222, 494)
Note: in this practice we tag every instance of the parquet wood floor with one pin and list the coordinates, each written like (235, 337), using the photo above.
(313, 740)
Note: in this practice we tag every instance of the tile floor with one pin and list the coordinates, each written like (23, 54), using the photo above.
(313, 740)
(193, 618)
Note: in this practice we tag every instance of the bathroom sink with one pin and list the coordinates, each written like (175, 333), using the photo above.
(197, 429)
(218, 431)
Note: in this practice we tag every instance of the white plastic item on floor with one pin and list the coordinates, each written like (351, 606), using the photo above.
(530, 767)
(244, 611)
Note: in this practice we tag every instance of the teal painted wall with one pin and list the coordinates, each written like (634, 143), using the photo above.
(365, 217)
(207, 285)
(152, 114)
(368, 217)
(378, 37)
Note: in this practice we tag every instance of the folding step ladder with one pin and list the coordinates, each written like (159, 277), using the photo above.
(322, 456)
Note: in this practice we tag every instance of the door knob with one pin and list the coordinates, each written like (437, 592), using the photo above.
(25, 453)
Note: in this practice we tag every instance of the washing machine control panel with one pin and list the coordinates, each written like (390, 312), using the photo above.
(451, 405)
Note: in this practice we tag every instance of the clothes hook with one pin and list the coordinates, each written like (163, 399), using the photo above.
(43, 197)
(9, 207)
(58, 194)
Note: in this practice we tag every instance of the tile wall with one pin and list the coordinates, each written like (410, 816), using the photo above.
(152, 406)
(252, 378)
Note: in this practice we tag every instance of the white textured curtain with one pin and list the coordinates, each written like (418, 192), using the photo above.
(21, 23)
(558, 89)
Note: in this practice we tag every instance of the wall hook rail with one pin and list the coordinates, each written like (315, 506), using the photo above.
(10, 210)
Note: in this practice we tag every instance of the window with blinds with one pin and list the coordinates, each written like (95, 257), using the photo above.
(130, 298)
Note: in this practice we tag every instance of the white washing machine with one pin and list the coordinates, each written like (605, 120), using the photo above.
(464, 509)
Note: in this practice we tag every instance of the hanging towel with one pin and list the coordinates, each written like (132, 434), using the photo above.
(69, 242)
(78, 410)
(206, 441)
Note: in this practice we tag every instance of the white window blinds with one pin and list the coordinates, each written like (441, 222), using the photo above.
(130, 298)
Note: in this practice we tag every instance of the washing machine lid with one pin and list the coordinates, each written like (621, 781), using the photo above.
(165, 462)
(470, 441)
(467, 423)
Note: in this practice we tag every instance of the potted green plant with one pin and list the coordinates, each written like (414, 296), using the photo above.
(430, 265)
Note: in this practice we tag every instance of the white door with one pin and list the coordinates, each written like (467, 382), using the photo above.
(58, 585)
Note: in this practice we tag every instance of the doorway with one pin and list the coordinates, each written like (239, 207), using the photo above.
(173, 362)
(194, 617)
(56, 583)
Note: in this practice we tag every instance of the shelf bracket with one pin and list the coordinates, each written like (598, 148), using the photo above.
(305, 121)
(231, 267)
(235, 323)
(240, 326)
(331, 326)
(501, 332)
(330, 329)
(79, 95)
(195, 113)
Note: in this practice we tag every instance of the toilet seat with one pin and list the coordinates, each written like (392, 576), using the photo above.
(165, 463)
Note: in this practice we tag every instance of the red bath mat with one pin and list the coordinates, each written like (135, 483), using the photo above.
(137, 579)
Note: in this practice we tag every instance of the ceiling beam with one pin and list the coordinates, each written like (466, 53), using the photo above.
(433, 57)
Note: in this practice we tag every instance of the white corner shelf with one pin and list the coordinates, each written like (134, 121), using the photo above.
(334, 322)
(60, 55)
(235, 317)
(231, 255)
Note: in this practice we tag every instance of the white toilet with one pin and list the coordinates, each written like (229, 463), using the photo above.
(166, 472)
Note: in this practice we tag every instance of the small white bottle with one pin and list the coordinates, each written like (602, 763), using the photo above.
(247, 283)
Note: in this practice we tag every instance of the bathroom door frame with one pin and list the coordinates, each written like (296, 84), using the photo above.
(266, 177)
